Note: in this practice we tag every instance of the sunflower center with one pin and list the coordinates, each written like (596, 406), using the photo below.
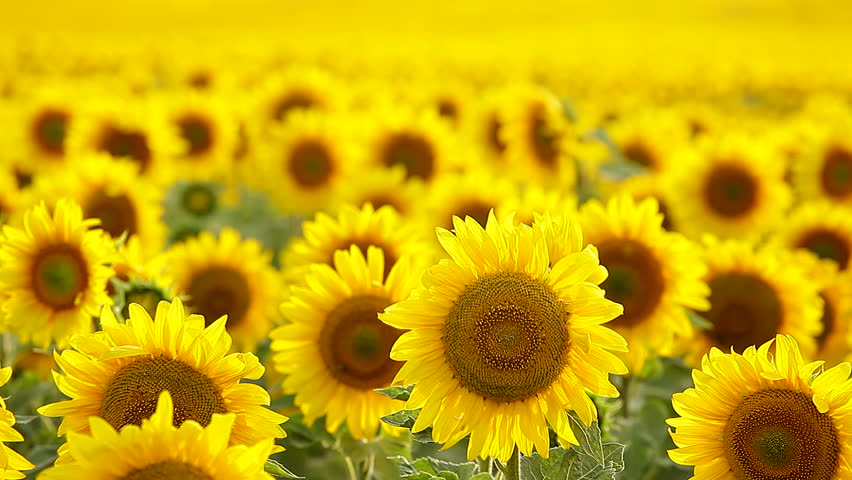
(168, 470)
(637, 152)
(219, 291)
(745, 311)
(411, 151)
(779, 434)
(635, 280)
(355, 345)
(49, 129)
(59, 275)
(730, 191)
(132, 393)
(826, 244)
(506, 338)
(448, 109)
(494, 140)
(199, 200)
(290, 102)
(827, 320)
(147, 297)
(836, 174)
(542, 138)
(310, 164)
(122, 143)
(196, 132)
(116, 213)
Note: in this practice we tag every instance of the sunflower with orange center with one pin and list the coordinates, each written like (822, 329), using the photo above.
(118, 374)
(499, 344)
(656, 275)
(53, 274)
(335, 351)
(730, 187)
(227, 276)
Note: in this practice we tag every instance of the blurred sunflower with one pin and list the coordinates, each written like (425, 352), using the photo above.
(764, 414)
(648, 137)
(471, 194)
(139, 278)
(534, 198)
(756, 293)
(824, 171)
(227, 276)
(655, 274)
(295, 89)
(118, 374)
(10, 195)
(820, 227)
(490, 121)
(499, 345)
(163, 447)
(306, 161)
(11, 462)
(641, 187)
(43, 121)
(382, 227)
(730, 187)
(334, 350)
(383, 186)
(53, 273)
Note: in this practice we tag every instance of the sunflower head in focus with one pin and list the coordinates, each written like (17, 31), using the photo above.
(11, 462)
(227, 276)
(500, 345)
(53, 273)
(764, 415)
(161, 448)
(334, 350)
(656, 275)
(730, 187)
(119, 373)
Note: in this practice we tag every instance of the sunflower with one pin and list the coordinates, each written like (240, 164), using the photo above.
(380, 227)
(11, 462)
(756, 293)
(824, 171)
(335, 350)
(499, 345)
(227, 276)
(655, 274)
(383, 186)
(43, 121)
(730, 187)
(490, 122)
(451, 100)
(473, 193)
(117, 374)
(297, 89)
(641, 187)
(111, 191)
(419, 140)
(53, 274)
(534, 198)
(823, 228)
(305, 161)
(648, 137)
(9, 194)
(159, 449)
(759, 415)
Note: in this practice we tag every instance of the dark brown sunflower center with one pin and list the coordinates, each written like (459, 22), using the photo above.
(146, 297)
(310, 164)
(827, 244)
(448, 109)
(168, 470)
(218, 291)
(780, 435)
(836, 174)
(49, 129)
(474, 208)
(363, 244)
(638, 152)
(543, 138)
(506, 338)
(413, 152)
(59, 274)
(130, 144)
(131, 395)
(116, 213)
(495, 140)
(635, 280)
(291, 102)
(730, 191)
(355, 345)
(199, 200)
(745, 311)
(827, 320)
(197, 133)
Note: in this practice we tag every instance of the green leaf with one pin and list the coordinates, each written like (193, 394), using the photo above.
(428, 468)
(396, 392)
(698, 321)
(402, 418)
(277, 470)
(592, 459)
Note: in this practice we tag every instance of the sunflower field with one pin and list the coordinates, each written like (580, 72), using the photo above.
(571, 240)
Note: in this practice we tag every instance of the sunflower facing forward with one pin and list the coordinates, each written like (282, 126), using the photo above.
(53, 274)
(118, 374)
(759, 416)
(335, 350)
(500, 345)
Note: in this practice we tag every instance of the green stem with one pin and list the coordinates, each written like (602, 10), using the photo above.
(513, 466)
(485, 464)
(351, 472)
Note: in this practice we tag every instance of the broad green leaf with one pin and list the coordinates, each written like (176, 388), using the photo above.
(396, 392)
